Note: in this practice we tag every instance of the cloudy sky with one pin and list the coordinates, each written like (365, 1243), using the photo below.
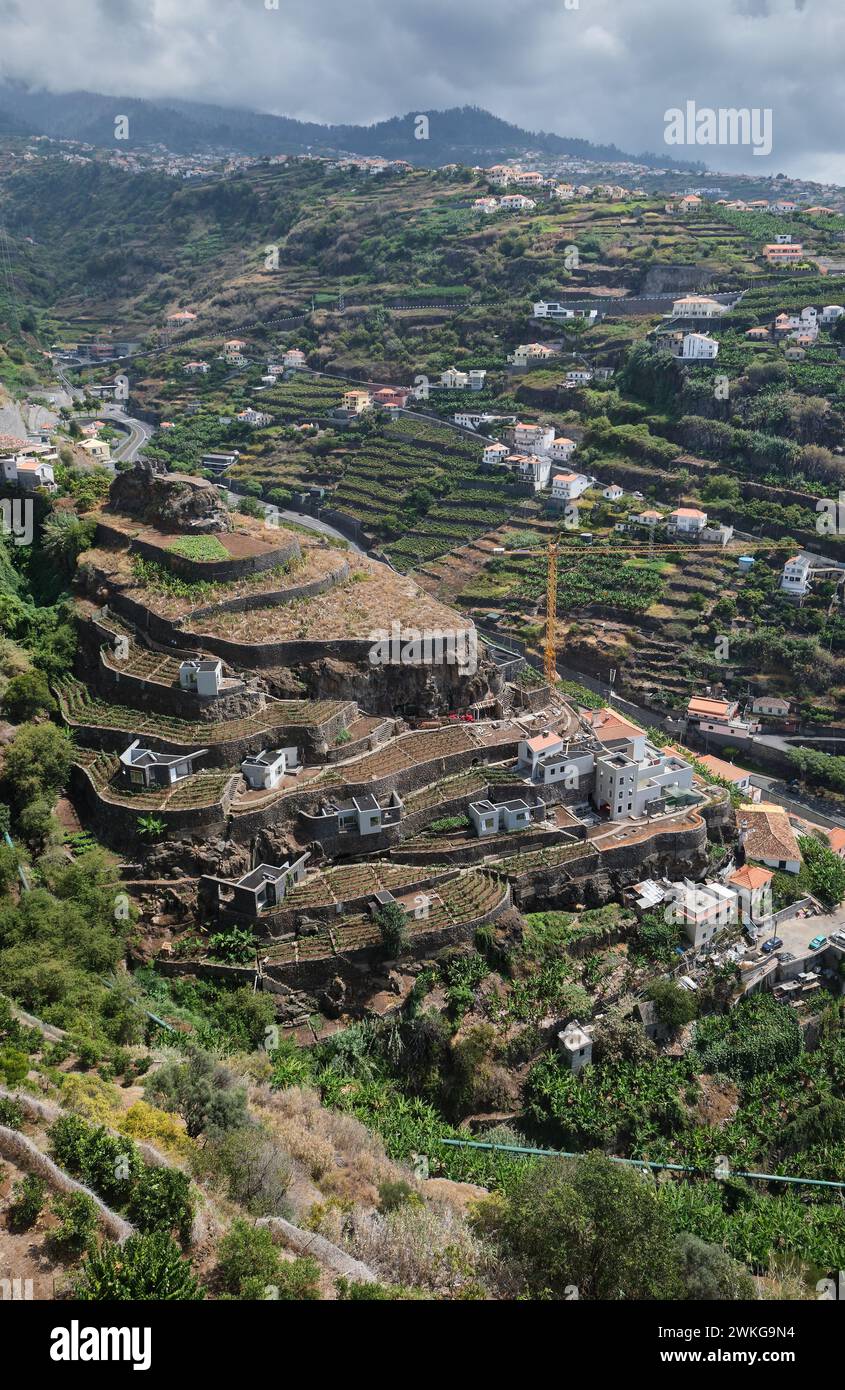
(606, 70)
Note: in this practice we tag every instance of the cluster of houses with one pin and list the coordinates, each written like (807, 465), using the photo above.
(507, 175)
(28, 464)
(783, 207)
(613, 766)
(533, 452)
(797, 332)
(683, 523)
(509, 202)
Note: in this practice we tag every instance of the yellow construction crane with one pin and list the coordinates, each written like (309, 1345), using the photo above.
(551, 614)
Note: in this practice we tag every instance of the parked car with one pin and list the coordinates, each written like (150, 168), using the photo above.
(817, 942)
(773, 944)
(838, 937)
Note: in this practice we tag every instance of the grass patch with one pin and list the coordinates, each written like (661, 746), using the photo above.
(205, 548)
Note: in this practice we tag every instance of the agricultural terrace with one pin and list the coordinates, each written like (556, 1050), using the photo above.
(170, 596)
(424, 746)
(328, 887)
(199, 789)
(250, 537)
(470, 897)
(370, 599)
(80, 707)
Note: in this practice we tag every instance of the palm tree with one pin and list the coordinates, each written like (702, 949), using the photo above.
(65, 535)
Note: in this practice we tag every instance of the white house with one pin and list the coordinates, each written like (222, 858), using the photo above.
(753, 886)
(489, 819)
(797, 576)
(530, 352)
(294, 357)
(687, 520)
(613, 492)
(495, 453)
(538, 438)
(533, 468)
(97, 449)
(738, 777)
(578, 376)
(647, 518)
(562, 449)
(831, 313)
(766, 836)
(771, 704)
(516, 202)
(547, 758)
(702, 909)
(29, 474)
(697, 306)
(485, 205)
(265, 770)
(634, 774)
(196, 368)
(699, 347)
(454, 380)
(567, 486)
(254, 417)
(551, 309)
(532, 750)
(202, 676)
(576, 1045)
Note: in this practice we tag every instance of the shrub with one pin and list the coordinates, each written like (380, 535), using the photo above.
(247, 1254)
(393, 1194)
(161, 1201)
(145, 1267)
(11, 1113)
(590, 1225)
(77, 1215)
(202, 1091)
(28, 1198)
(257, 1171)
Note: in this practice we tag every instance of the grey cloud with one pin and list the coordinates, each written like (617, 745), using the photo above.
(606, 71)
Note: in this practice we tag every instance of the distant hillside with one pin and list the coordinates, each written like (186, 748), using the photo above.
(465, 135)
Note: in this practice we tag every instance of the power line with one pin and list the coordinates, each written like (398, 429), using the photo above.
(636, 1163)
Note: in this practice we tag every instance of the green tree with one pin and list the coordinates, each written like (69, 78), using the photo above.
(202, 1091)
(392, 922)
(147, 1268)
(26, 695)
(589, 1224)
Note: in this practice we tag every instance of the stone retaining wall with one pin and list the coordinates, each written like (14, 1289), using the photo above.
(315, 974)
(116, 823)
(212, 571)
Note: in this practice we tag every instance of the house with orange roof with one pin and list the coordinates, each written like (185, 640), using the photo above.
(738, 777)
(567, 486)
(753, 887)
(783, 253)
(545, 758)
(687, 520)
(767, 837)
(836, 840)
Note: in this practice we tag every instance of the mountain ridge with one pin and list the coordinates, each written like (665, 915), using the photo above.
(466, 134)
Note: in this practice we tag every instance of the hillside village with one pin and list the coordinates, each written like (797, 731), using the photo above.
(423, 725)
